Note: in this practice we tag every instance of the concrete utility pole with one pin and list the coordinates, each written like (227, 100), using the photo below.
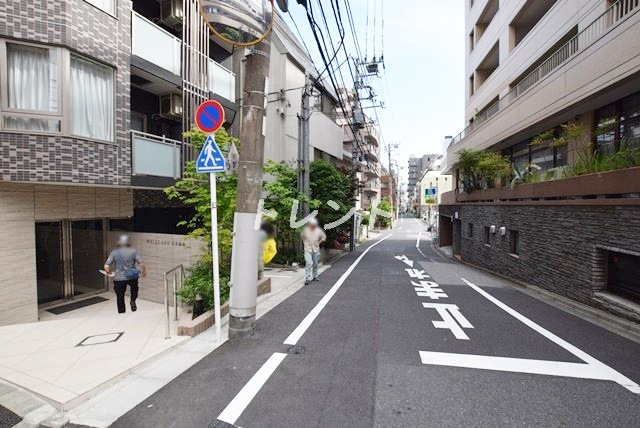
(304, 144)
(246, 243)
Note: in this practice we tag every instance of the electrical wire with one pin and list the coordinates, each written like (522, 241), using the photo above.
(295, 24)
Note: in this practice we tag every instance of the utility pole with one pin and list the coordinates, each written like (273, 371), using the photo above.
(304, 144)
(246, 243)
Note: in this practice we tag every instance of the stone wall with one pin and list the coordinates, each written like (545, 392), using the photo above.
(559, 244)
(83, 28)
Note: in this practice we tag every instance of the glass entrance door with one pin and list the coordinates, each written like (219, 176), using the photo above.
(87, 256)
(49, 262)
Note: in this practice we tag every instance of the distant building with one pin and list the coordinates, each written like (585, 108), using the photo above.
(430, 188)
(417, 166)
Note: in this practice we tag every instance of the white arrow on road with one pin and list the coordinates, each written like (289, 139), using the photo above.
(405, 259)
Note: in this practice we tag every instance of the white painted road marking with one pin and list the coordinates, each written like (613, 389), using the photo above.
(311, 316)
(234, 409)
(429, 289)
(599, 369)
(418, 246)
(405, 260)
(517, 365)
(417, 273)
(450, 314)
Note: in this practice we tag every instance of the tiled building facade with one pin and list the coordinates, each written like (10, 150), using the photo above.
(76, 27)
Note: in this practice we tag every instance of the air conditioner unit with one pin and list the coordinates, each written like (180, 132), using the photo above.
(171, 12)
(171, 105)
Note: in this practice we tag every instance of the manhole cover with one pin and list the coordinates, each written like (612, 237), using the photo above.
(296, 350)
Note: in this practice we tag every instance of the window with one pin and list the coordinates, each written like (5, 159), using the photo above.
(514, 242)
(618, 125)
(472, 86)
(469, 230)
(472, 40)
(487, 235)
(36, 80)
(91, 99)
(108, 6)
(31, 101)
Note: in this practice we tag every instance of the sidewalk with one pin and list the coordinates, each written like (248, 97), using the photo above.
(103, 409)
(66, 358)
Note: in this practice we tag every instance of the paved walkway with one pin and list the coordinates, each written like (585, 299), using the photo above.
(66, 358)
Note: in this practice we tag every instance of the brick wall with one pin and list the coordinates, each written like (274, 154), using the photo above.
(83, 28)
(559, 245)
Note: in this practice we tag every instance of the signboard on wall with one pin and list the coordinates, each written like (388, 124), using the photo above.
(430, 195)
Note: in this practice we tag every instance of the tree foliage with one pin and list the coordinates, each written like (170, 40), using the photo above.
(193, 191)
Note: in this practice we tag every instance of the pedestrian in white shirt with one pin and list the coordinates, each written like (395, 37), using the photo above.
(312, 236)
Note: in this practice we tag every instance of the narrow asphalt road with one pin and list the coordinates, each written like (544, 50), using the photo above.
(396, 335)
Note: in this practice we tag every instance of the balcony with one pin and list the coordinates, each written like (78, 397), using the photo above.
(222, 82)
(584, 40)
(155, 45)
(326, 135)
(156, 156)
(372, 186)
(617, 187)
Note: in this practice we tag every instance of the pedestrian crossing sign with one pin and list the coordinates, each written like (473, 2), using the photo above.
(210, 158)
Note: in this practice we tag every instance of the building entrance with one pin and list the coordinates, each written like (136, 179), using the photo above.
(69, 254)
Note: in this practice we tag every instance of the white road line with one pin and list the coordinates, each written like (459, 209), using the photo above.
(418, 246)
(234, 409)
(610, 373)
(311, 316)
(518, 365)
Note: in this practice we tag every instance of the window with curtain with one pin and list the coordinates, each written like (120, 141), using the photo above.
(32, 88)
(106, 5)
(91, 100)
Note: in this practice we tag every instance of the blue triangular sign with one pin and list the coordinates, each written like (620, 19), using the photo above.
(210, 158)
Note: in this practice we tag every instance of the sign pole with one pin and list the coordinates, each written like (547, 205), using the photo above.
(214, 254)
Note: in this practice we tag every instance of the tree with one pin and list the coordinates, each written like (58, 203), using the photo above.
(330, 184)
(193, 191)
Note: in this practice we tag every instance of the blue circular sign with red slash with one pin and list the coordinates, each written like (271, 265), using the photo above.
(209, 116)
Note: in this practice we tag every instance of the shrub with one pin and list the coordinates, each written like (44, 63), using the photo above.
(199, 281)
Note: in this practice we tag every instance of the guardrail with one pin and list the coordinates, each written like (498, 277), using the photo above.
(615, 14)
(179, 274)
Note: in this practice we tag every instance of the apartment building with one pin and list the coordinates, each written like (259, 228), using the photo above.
(94, 97)
(553, 85)
(361, 150)
(289, 65)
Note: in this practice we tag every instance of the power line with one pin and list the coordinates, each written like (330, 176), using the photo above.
(295, 24)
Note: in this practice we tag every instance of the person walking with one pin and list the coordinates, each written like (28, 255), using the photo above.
(125, 258)
(312, 236)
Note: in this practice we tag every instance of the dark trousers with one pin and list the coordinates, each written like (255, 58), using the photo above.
(120, 287)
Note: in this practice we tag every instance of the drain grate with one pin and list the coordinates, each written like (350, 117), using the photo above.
(295, 350)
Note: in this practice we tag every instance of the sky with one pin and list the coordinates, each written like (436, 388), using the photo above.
(422, 85)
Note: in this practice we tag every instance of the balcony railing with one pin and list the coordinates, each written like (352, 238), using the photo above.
(222, 81)
(613, 16)
(152, 43)
(157, 156)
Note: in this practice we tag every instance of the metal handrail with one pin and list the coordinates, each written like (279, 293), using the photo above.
(615, 14)
(177, 272)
